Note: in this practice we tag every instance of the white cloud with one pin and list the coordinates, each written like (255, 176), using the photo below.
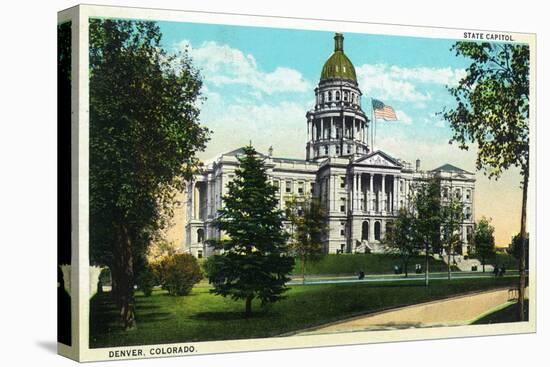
(403, 117)
(282, 125)
(224, 65)
(442, 76)
(401, 84)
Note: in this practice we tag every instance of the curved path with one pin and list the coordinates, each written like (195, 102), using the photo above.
(460, 310)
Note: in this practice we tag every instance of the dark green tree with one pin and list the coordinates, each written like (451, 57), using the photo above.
(427, 207)
(514, 248)
(484, 241)
(403, 238)
(492, 110)
(144, 135)
(452, 217)
(254, 261)
(309, 225)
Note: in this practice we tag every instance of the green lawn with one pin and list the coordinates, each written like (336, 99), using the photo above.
(509, 262)
(369, 263)
(505, 314)
(203, 316)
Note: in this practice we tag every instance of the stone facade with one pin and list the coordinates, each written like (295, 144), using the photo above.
(361, 190)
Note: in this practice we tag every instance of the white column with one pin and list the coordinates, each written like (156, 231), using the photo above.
(322, 130)
(332, 133)
(371, 193)
(361, 196)
(354, 207)
(383, 206)
(397, 192)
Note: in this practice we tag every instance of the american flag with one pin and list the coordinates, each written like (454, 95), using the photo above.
(383, 111)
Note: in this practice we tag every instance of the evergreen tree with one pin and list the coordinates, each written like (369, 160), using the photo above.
(253, 262)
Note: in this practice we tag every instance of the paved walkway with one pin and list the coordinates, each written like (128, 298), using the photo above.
(459, 310)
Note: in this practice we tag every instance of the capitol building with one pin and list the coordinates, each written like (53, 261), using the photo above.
(360, 188)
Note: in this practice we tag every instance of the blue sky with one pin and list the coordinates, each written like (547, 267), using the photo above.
(259, 85)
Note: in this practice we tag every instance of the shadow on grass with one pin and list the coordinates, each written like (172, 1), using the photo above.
(229, 316)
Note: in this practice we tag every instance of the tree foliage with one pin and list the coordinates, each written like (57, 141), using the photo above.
(309, 225)
(178, 273)
(144, 135)
(514, 248)
(427, 207)
(484, 241)
(254, 261)
(492, 110)
(403, 238)
(492, 105)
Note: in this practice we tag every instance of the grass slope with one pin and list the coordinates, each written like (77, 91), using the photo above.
(506, 314)
(203, 316)
(369, 263)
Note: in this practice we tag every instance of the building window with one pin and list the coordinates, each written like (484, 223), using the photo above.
(349, 149)
(457, 194)
(200, 235)
(365, 231)
(199, 254)
(337, 95)
(276, 185)
(329, 96)
(343, 205)
(326, 149)
(343, 182)
(337, 150)
(300, 187)
(288, 187)
(468, 194)
(468, 214)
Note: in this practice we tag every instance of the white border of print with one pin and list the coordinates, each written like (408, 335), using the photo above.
(79, 17)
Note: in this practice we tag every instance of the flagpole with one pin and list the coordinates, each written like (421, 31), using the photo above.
(373, 123)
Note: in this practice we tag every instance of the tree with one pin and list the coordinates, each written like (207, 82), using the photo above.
(403, 238)
(144, 135)
(492, 110)
(452, 217)
(427, 207)
(484, 241)
(514, 248)
(309, 225)
(254, 261)
(179, 273)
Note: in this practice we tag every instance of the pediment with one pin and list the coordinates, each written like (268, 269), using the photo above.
(379, 159)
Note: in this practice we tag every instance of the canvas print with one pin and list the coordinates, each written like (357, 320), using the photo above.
(256, 182)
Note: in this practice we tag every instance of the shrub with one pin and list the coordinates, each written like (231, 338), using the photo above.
(146, 280)
(179, 272)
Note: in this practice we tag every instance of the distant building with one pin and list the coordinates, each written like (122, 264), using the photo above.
(361, 190)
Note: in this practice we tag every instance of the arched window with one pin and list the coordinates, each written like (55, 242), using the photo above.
(345, 96)
(200, 235)
(365, 231)
(377, 231)
(337, 95)
(329, 96)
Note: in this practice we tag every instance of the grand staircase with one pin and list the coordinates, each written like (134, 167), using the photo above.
(465, 264)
